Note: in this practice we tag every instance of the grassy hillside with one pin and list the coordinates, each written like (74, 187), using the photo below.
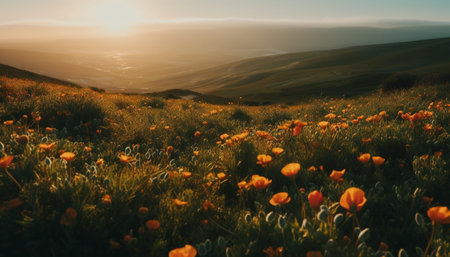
(85, 173)
(343, 72)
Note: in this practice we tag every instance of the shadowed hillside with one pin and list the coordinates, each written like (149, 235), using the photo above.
(343, 72)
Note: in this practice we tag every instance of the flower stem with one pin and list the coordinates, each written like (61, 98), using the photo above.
(13, 179)
(431, 239)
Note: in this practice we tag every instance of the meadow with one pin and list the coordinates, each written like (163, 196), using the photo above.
(87, 173)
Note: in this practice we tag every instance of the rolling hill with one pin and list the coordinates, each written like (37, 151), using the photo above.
(342, 72)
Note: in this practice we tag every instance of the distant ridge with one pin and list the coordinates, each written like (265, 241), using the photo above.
(12, 72)
(348, 71)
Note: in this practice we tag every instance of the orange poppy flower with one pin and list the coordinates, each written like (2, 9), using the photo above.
(366, 140)
(106, 199)
(5, 161)
(186, 174)
(314, 254)
(378, 160)
(197, 134)
(291, 169)
(270, 252)
(364, 158)
(152, 225)
(337, 175)
(179, 203)
(125, 158)
(298, 127)
(312, 169)
(315, 199)
(330, 116)
(69, 216)
(323, 124)
(207, 205)
(428, 127)
(46, 147)
(100, 162)
(260, 182)
(277, 151)
(353, 199)
(186, 251)
(221, 176)
(439, 214)
(264, 159)
(280, 199)
(68, 156)
(242, 184)
(224, 136)
(196, 153)
(8, 122)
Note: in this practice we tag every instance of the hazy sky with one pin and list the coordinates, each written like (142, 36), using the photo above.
(137, 11)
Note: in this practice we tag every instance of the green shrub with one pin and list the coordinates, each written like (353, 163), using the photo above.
(398, 81)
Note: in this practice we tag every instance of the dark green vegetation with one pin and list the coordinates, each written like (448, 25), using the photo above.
(98, 205)
(346, 72)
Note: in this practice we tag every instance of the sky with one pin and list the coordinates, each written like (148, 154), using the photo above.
(117, 13)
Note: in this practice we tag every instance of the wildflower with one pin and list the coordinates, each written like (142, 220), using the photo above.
(196, 153)
(439, 214)
(378, 160)
(186, 251)
(337, 175)
(46, 147)
(364, 158)
(221, 176)
(323, 124)
(330, 116)
(428, 200)
(5, 161)
(270, 252)
(8, 122)
(124, 159)
(366, 140)
(99, 162)
(170, 149)
(277, 151)
(68, 156)
(428, 127)
(353, 199)
(197, 134)
(224, 136)
(291, 169)
(280, 199)
(312, 169)
(315, 199)
(264, 159)
(69, 217)
(106, 199)
(207, 205)
(298, 127)
(186, 174)
(314, 254)
(260, 182)
(242, 184)
(152, 225)
(179, 203)
(264, 134)
(438, 154)
(143, 211)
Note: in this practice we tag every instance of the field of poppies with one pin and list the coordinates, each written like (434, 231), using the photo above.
(85, 173)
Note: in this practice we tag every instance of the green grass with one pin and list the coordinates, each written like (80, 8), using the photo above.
(242, 222)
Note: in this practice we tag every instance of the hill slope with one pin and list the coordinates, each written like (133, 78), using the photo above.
(347, 71)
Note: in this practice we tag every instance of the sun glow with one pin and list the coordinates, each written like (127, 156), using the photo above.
(117, 16)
